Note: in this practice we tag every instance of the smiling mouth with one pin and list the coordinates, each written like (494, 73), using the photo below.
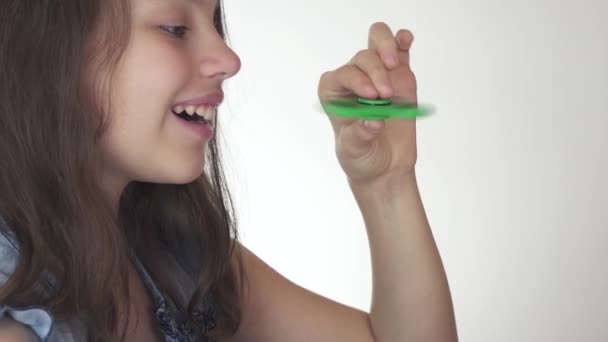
(191, 118)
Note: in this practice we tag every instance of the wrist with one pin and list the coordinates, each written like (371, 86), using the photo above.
(387, 187)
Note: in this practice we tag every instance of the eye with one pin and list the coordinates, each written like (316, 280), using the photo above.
(176, 31)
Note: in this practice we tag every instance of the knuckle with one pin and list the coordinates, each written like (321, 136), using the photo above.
(346, 69)
(361, 79)
(324, 76)
(363, 57)
(360, 55)
(378, 71)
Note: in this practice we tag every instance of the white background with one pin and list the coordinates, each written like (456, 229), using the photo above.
(512, 167)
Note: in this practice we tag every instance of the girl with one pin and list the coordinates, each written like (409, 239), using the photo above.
(117, 224)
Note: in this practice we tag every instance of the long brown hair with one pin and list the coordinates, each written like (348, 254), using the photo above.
(50, 122)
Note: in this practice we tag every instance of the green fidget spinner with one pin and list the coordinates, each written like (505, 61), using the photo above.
(375, 109)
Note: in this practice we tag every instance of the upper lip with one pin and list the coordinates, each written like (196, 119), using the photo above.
(213, 99)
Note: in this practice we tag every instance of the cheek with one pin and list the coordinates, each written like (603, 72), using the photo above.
(151, 75)
(144, 88)
(148, 81)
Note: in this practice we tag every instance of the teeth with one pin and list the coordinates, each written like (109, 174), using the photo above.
(207, 112)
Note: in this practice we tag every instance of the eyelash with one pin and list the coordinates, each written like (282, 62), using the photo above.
(182, 30)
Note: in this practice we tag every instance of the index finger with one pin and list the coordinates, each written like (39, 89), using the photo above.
(381, 39)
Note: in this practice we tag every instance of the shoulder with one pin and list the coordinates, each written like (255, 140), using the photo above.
(10, 330)
(38, 319)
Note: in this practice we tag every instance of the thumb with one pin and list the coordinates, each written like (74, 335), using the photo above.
(356, 139)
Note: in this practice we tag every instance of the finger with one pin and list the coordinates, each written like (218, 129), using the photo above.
(346, 80)
(370, 63)
(382, 40)
(357, 139)
(404, 39)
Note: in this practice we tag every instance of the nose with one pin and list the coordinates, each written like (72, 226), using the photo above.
(219, 61)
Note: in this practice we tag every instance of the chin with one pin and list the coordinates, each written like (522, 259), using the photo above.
(173, 171)
(186, 177)
(191, 179)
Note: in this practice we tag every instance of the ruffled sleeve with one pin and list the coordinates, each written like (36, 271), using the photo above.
(37, 318)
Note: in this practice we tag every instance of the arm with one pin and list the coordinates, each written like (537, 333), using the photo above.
(411, 299)
(15, 332)
(277, 310)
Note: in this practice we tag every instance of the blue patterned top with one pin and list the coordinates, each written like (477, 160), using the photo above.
(174, 328)
(171, 322)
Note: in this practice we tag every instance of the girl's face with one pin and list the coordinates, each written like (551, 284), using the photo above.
(174, 55)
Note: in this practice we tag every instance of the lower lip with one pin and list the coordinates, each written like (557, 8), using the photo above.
(200, 129)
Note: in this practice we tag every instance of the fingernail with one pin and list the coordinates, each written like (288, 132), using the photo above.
(402, 41)
(401, 38)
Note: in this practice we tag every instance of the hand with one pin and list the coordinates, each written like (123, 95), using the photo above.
(380, 150)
